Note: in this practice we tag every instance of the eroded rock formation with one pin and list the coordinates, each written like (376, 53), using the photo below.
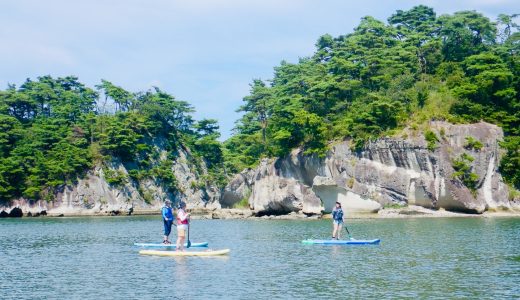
(386, 172)
(93, 195)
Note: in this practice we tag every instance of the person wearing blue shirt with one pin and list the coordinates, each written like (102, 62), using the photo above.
(167, 214)
(337, 221)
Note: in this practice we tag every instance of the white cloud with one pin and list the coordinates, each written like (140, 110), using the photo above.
(491, 2)
(203, 51)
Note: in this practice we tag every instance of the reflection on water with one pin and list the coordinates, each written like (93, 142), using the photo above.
(94, 258)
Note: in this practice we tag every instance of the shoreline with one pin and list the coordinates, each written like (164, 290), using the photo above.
(408, 212)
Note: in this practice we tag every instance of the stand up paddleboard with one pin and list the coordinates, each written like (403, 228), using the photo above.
(184, 253)
(342, 242)
(161, 245)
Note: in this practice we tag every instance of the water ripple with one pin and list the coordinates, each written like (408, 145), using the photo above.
(93, 258)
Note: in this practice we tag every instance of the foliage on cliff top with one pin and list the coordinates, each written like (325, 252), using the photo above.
(52, 130)
(381, 77)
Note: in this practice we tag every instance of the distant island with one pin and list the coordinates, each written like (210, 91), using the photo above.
(421, 110)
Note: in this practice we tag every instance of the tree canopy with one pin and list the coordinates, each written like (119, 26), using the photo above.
(53, 130)
(382, 77)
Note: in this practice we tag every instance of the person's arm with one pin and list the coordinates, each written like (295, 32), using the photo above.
(182, 215)
(164, 212)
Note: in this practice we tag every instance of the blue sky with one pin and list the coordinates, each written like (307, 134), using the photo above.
(203, 51)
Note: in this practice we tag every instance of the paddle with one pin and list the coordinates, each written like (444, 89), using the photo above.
(188, 244)
(349, 235)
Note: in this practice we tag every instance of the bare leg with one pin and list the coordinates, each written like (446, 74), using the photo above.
(180, 240)
(179, 243)
(335, 229)
(339, 230)
(182, 243)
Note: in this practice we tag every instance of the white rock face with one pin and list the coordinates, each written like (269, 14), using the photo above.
(278, 195)
(93, 195)
(387, 171)
(330, 193)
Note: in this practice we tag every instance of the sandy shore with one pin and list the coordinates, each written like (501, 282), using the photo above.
(202, 213)
(394, 213)
(419, 211)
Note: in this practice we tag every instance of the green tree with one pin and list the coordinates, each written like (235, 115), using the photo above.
(121, 98)
(257, 106)
(465, 33)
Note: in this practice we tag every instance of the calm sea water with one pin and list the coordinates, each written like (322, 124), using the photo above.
(94, 258)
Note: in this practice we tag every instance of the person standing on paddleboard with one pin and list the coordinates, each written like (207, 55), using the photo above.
(167, 214)
(337, 221)
(182, 225)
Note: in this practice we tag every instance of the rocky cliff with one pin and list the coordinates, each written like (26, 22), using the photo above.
(93, 195)
(457, 170)
(387, 172)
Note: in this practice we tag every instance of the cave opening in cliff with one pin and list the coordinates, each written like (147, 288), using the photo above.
(329, 195)
(274, 212)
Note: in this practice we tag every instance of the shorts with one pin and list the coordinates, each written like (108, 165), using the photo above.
(181, 230)
(338, 222)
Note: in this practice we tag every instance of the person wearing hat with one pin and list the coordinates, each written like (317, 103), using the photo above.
(182, 225)
(167, 214)
(337, 221)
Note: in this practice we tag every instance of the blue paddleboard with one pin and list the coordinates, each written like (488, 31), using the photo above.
(161, 245)
(342, 242)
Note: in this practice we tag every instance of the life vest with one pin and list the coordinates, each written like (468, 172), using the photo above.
(179, 221)
(167, 213)
(337, 214)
